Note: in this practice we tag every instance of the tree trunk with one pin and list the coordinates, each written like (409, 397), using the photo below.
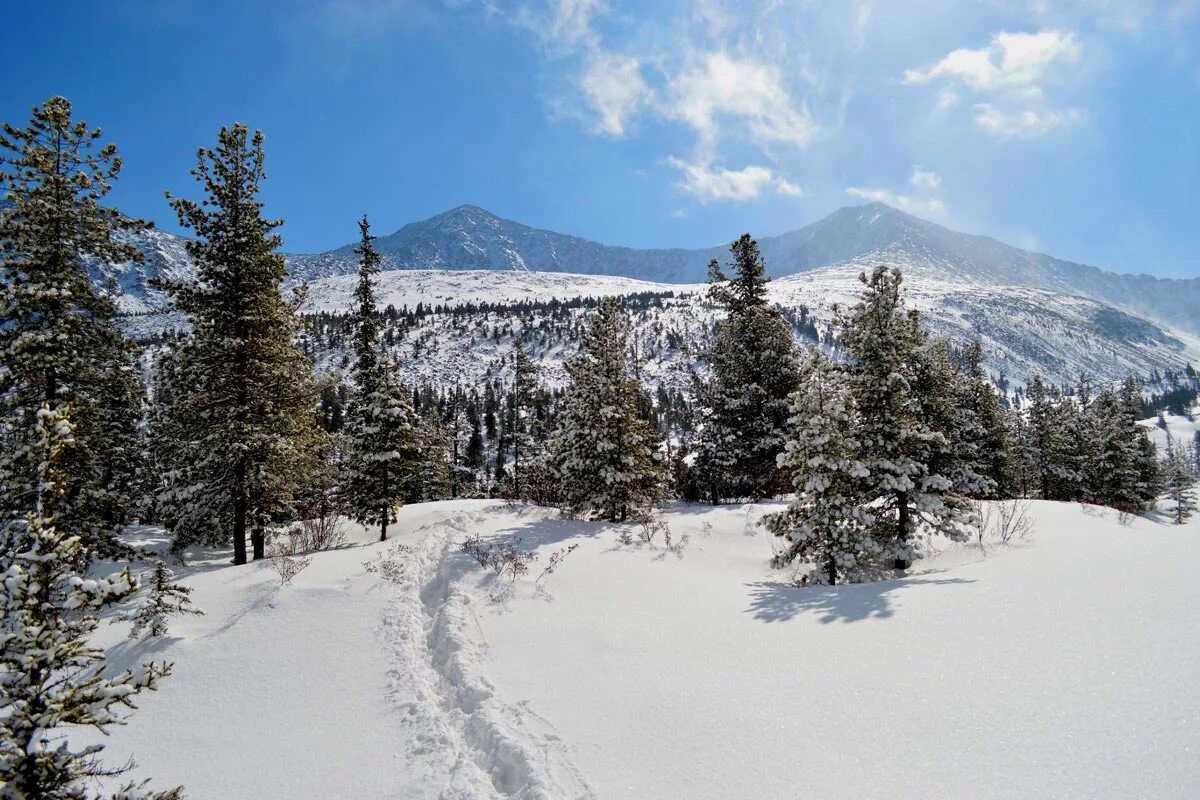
(239, 512)
(832, 569)
(383, 527)
(903, 523)
(258, 540)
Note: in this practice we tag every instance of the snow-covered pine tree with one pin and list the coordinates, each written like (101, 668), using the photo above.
(1051, 426)
(1196, 452)
(59, 344)
(164, 598)
(51, 678)
(604, 450)
(899, 449)
(525, 384)
(384, 442)
(242, 411)
(828, 525)
(986, 432)
(947, 404)
(753, 370)
(1180, 480)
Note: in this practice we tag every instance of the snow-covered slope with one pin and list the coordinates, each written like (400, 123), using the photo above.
(1024, 331)
(1064, 667)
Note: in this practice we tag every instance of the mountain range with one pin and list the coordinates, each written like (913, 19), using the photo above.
(471, 238)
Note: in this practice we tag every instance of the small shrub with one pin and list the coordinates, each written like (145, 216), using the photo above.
(555, 560)
(503, 558)
(289, 567)
(389, 565)
(676, 546)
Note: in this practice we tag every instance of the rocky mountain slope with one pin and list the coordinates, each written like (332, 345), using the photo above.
(470, 238)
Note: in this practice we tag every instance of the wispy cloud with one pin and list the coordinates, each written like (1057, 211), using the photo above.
(615, 91)
(708, 183)
(1010, 73)
(724, 86)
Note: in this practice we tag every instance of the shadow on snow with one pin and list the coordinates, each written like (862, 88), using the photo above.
(775, 601)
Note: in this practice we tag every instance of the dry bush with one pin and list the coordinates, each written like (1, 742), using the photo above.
(289, 567)
(1003, 521)
(389, 565)
(503, 558)
(555, 560)
(651, 527)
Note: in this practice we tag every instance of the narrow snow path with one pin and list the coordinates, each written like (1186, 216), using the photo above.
(467, 743)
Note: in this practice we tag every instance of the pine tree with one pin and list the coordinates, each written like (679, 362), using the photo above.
(828, 525)
(1055, 458)
(604, 451)
(525, 383)
(51, 678)
(163, 598)
(242, 410)
(59, 344)
(382, 428)
(753, 365)
(902, 453)
(984, 435)
(1180, 480)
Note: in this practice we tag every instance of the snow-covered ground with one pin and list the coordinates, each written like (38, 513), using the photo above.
(1179, 429)
(1064, 667)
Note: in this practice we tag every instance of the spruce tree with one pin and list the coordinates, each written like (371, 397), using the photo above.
(604, 451)
(1180, 480)
(828, 525)
(525, 384)
(1055, 457)
(903, 453)
(51, 678)
(59, 344)
(753, 369)
(382, 429)
(163, 598)
(242, 411)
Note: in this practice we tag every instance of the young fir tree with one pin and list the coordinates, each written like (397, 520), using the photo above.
(163, 599)
(828, 525)
(985, 435)
(604, 451)
(381, 427)
(51, 678)
(242, 410)
(59, 344)
(1180, 480)
(524, 393)
(753, 365)
(903, 454)
(1056, 461)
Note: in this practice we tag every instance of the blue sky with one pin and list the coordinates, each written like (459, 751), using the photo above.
(1070, 127)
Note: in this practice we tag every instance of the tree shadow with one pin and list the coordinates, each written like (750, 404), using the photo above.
(775, 601)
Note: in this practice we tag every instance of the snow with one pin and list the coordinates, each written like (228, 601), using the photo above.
(1062, 667)
(1180, 429)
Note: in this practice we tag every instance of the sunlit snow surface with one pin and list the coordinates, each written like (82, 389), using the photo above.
(1062, 667)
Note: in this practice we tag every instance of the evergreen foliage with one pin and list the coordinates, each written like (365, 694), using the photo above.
(240, 420)
(59, 344)
(163, 599)
(1180, 479)
(51, 678)
(604, 451)
(905, 447)
(827, 525)
(385, 441)
(753, 364)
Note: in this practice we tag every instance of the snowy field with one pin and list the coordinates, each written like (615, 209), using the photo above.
(1067, 666)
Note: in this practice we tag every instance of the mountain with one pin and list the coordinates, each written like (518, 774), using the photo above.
(470, 238)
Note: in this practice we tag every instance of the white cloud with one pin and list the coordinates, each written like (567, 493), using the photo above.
(1024, 123)
(564, 26)
(710, 183)
(723, 85)
(1012, 59)
(931, 207)
(925, 179)
(614, 89)
(1010, 72)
